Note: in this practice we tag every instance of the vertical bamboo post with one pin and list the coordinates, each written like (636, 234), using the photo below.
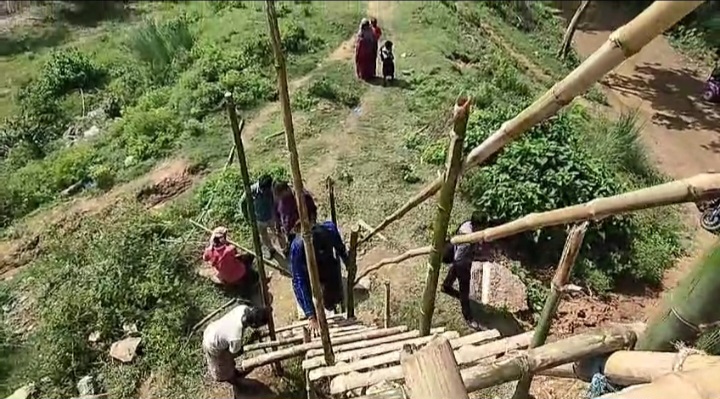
(297, 181)
(562, 276)
(689, 307)
(570, 31)
(309, 388)
(331, 198)
(351, 272)
(432, 372)
(237, 136)
(387, 305)
(444, 209)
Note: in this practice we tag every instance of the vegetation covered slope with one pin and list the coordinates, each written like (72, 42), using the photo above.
(131, 265)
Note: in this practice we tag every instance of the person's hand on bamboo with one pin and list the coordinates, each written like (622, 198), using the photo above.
(314, 326)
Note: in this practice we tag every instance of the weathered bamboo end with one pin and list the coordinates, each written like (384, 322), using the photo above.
(621, 45)
(297, 179)
(432, 372)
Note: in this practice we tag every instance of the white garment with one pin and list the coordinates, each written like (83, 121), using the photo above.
(225, 333)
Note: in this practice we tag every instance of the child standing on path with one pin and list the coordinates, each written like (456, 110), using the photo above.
(388, 62)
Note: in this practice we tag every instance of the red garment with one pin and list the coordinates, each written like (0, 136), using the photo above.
(224, 259)
(365, 52)
(377, 32)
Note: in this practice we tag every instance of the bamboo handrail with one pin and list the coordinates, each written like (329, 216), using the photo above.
(692, 189)
(621, 45)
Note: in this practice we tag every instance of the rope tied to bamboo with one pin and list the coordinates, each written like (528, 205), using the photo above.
(683, 353)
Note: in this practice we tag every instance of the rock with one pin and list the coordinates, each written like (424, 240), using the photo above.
(23, 393)
(93, 131)
(125, 350)
(506, 289)
(365, 284)
(86, 386)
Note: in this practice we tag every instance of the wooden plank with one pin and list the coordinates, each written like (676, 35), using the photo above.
(394, 357)
(432, 372)
(344, 383)
(375, 342)
(300, 350)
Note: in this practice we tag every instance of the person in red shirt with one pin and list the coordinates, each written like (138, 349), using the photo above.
(375, 29)
(234, 271)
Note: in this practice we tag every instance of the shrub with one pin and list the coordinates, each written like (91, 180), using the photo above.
(149, 133)
(159, 44)
(103, 176)
(334, 90)
(69, 70)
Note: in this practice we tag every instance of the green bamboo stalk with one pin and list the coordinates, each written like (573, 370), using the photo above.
(562, 276)
(298, 182)
(444, 209)
(689, 309)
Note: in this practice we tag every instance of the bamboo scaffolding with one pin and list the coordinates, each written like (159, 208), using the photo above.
(379, 341)
(334, 332)
(432, 372)
(562, 276)
(692, 189)
(393, 357)
(532, 361)
(697, 384)
(373, 350)
(297, 179)
(621, 45)
(338, 319)
(464, 355)
(690, 305)
(461, 112)
(299, 350)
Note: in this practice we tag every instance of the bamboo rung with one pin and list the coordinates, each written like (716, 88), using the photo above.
(334, 332)
(375, 342)
(394, 357)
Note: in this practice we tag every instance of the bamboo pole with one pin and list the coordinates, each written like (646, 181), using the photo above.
(562, 276)
(336, 319)
(461, 112)
(534, 360)
(570, 31)
(384, 340)
(259, 261)
(386, 319)
(690, 305)
(692, 189)
(297, 180)
(334, 332)
(309, 389)
(351, 272)
(697, 384)
(621, 45)
(433, 373)
(299, 350)
(464, 355)
(330, 183)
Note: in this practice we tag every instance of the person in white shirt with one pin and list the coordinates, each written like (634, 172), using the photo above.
(223, 341)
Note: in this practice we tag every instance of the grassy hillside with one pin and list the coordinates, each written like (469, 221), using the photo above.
(164, 79)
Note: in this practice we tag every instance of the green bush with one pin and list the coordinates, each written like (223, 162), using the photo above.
(334, 90)
(160, 44)
(103, 176)
(149, 133)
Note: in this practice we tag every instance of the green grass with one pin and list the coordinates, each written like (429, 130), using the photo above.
(379, 144)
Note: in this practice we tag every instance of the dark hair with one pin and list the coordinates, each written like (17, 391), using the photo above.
(388, 44)
(281, 186)
(257, 317)
(265, 182)
(478, 219)
(373, 21)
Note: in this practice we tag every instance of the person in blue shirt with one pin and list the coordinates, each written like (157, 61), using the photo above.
(329, 251)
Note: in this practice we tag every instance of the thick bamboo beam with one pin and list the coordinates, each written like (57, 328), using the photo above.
(461, 112)
(297, 180)
(690, 306)
(692, 189)
(259, 261)
(562, 277)
(697, 384)
(374, 350)
(299, 350)
(392, 357)
(464, 355)
(621, 45)
(432, 372)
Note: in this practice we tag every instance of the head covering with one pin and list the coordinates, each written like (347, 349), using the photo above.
(218, 232)
(364, 28)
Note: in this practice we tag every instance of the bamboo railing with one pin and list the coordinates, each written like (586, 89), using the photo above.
(621, 45)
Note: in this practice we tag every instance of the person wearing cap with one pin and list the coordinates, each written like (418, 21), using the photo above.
(234, 271)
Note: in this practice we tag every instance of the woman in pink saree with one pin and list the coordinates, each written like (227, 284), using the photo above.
(365, 51)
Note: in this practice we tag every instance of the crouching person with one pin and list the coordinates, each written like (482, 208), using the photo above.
(223, 342)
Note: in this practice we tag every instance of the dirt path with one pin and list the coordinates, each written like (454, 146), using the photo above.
(680, 130)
